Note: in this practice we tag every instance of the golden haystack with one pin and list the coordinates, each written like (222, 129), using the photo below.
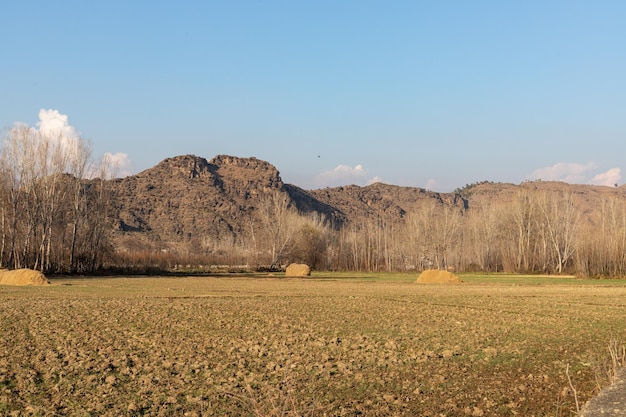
(23, 276)
(437, 276)
(298, 270)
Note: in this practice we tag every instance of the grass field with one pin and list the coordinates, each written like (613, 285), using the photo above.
(335, 345)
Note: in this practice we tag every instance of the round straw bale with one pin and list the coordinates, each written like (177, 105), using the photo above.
(298, 270)
(23, 276)
(437, 276)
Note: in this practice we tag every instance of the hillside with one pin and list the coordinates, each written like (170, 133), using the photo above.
(587, 198)
(390, 201)
(187, 201)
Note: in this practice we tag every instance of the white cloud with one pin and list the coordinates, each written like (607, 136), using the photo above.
(56, 127)
(344, 175)
(575, 173)
(608, 178)
(564, 171)
(374, 180)
(119, 164)
(431, 184)
(55, 124)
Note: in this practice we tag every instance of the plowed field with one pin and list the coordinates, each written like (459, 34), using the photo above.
(222, 346)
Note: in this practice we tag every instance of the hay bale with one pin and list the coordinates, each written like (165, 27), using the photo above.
(437, 276)
(298, 270)
(22, 276)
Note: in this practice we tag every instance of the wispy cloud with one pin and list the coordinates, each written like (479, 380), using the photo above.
(576, 173)
(345, 175)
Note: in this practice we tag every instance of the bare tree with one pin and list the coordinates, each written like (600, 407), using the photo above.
(560, 220)
(311, 241)
(482, 238)
(79, 168)
(520, 233)
(16, 150)
(436, 234)
(280, 222)
(601, 248)
(43, 188)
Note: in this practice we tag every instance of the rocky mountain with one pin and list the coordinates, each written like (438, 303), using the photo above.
(390, 201)
(187, 199)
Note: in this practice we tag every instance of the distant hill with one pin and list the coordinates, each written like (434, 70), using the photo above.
(186, 199)
(587, 198)
(389, 201)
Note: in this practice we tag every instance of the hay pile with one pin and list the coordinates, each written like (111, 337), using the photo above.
(23, 276)
(437, 276)
(298, 270)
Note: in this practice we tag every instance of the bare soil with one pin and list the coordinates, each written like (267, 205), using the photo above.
(275, 346)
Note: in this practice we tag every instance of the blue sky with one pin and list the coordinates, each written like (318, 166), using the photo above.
(433, 94)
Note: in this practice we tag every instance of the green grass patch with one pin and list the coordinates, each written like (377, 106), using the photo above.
(366, 276)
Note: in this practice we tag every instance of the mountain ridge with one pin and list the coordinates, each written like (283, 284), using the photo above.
(185, 201)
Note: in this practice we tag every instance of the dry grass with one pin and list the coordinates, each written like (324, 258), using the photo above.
(618, 357)
(269, 346)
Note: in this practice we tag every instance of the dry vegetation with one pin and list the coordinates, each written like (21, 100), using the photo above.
(314, 346)
(298, 270)
(438, 276)
(22, 276)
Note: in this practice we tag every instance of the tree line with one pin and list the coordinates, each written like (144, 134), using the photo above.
(53, 203)
(55, 217)
(538, 232)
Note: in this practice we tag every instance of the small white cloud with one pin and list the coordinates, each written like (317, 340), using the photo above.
(575, 173)
(55, 124)
(564, 171)
(374, 180)
(118, 165)
(55, 127)
(344, 175)
(431, 184)
(608, 178)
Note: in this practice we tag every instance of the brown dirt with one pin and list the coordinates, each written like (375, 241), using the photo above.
(298, 270)
(237, 346)
(23, 276)
(437, 276)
